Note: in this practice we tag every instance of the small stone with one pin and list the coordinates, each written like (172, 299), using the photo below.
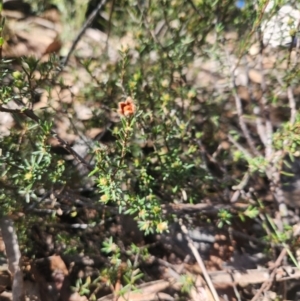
(83, 112)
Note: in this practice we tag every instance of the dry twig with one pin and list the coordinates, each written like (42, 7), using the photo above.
(199, 261)
(239, 107)
(84, 27)
(13, 257)
(267, 284)
(29, 113)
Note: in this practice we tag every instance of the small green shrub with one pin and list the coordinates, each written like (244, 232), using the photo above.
(175, 140)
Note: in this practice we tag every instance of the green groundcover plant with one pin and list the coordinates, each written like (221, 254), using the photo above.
(175, 139)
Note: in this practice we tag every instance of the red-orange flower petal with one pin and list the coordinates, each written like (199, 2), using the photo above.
(127, 107)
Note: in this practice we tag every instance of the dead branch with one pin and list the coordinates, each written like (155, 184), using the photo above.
(30, 114)
(13, 257)
(87, 23)
(200, 262)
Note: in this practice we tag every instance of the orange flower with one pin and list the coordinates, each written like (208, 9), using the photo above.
(127, 107)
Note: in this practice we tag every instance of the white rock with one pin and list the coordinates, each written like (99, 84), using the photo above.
(83, 112)
(277, 30)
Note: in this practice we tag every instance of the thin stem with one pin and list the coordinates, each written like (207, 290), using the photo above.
(199, 261)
